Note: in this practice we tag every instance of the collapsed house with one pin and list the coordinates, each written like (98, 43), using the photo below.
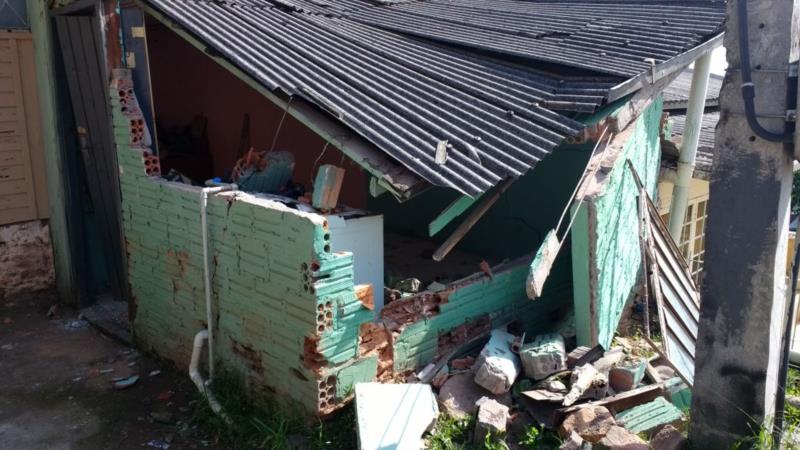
(451, 149)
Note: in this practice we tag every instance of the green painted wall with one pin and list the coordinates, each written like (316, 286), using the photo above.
(515, 225)
(278, 315)
(605, 236)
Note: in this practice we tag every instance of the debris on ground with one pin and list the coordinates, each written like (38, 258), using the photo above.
(460, 393)
(618, 438)
(590, 423)
(668, 438)
(544, 356)
(650, 416)
(497, 366)
(125, 383)
(492, 418)
(394, 415)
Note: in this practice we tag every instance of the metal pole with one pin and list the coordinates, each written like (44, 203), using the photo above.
(691, 137)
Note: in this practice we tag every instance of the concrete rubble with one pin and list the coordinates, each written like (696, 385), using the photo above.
(497, 367)
(618, 438)
(544, 356)
(592, 398)
(492, 418)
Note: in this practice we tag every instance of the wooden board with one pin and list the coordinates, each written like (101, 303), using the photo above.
(23, 190)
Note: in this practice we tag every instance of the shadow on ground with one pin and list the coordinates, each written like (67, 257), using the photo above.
(56, 388)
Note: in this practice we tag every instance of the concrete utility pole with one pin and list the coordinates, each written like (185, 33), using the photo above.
(744, 294)
(691, 137)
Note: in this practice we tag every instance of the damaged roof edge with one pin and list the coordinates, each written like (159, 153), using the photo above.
(397, 179)
(678, 63)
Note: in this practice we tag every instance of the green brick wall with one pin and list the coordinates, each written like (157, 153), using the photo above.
(287, 314)
(605, 236)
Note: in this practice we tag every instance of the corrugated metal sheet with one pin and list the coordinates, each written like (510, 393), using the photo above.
(608, 37)
(705, 147)
(676, 95)
(364, 62)
(676, 294)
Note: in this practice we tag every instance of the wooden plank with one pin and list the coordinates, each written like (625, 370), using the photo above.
(455, 209)
(12, 158)
(13, 187)
(15, 201)
(30, 95)
(9, 173)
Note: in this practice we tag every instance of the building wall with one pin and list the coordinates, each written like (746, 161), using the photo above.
(286, 311)
(26, 259)
(605, 237)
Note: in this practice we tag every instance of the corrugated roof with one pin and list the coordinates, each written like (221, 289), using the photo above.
(705, 146)
(676, 95)
(367, 65)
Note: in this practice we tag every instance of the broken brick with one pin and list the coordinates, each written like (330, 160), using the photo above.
(669, 438)
(627, 375)
(459, 394)
(618, 438)
(590, 422)
(492, 418)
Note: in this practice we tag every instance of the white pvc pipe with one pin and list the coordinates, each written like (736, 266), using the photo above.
(691, 137)
(197, 378)
(207, 271)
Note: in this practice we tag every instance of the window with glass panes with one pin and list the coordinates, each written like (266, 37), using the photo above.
(692, 243)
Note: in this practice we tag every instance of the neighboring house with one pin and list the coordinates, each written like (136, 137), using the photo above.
(676, 96)
(462, 142)
(25, 253)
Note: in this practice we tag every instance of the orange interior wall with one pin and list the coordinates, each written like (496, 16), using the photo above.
(186, 82)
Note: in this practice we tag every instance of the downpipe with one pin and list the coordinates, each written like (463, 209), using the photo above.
(208, 334)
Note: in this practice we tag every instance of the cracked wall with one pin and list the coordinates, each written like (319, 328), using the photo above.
(286, 310)
(605, 236)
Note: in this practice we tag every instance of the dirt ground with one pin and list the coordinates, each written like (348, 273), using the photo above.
(56, 387)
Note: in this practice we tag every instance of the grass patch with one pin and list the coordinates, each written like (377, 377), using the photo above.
(268, 425)
(451, 433)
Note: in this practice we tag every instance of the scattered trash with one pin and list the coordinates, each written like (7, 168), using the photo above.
(154, 373)
(75, 324)
(54, 311)
(159, 444)
(76, 379)
(109, 370)
(165, 396)
(124, 383)
(393, 415)
(582, 379)
(163, 417)
(7, 346)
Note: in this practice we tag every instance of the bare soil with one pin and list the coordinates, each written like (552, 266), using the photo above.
(56, 387)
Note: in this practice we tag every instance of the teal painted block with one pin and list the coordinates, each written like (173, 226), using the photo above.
(394, 416)
(649, 416)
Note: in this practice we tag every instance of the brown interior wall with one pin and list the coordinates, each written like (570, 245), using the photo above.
(186, 82)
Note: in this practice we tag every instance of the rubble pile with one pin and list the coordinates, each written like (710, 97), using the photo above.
(590, 397)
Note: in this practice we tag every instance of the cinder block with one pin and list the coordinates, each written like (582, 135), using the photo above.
(497, 367)
(544, 356)
(649, 417)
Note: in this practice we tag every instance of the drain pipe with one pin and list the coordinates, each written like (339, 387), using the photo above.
(208, 333)
(691, 137)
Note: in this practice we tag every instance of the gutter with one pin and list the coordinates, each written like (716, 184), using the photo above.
(664, 69)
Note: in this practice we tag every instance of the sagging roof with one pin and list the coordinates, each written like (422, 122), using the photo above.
(487, 83)
(676, 95)
(705, 146)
